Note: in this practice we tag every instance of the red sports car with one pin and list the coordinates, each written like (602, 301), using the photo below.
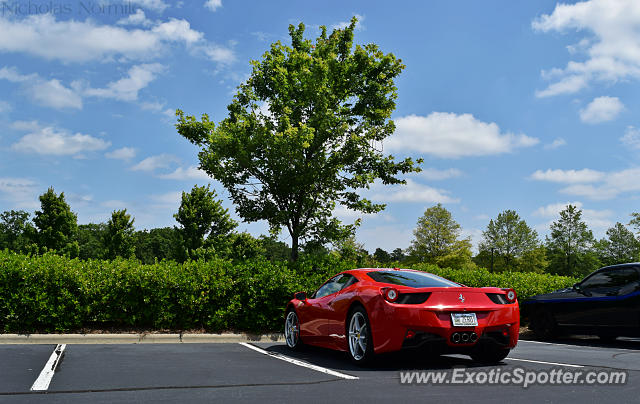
(370, 311)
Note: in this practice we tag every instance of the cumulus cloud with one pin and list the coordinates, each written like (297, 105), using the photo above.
(568, 176)
(49, 93)
(631, 137)
(127, 88)
(558, 142)
(611, 43)
(19, 192)
(449, 135)
(48, 140)
(138, 18)
(598, 220)
(124, 153)
(601, 109)
(593, 184)
(72, 41)
(412, 192)
(188, 173)
(213, 5)
(155, 5)
(155, 162)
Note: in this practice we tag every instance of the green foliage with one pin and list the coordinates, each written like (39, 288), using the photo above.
(619, 247)
(201, 214)
(304, 133)
(91, 238)
(57, 225)
(158, 244)
(509, 244)
(119, 237)
(570, 247)
(51, 293)
(437, 240)
(17, 232)
(382, 256)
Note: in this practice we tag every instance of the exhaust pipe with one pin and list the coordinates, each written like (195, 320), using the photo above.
(455, 338)
(465, 337)
(473, 337)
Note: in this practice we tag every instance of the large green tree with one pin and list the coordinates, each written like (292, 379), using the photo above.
(202, 214)
(437, 240)
(570, 245)
(304, 133)
(119, 237)
(619, 246)
(159, 243)
(509, 243)
(57, 225)
(16, 231)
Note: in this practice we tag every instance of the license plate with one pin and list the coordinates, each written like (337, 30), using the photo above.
(464, 319)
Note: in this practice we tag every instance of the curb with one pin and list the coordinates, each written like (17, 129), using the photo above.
(143, 338)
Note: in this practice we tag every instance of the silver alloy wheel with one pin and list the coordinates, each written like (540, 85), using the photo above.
(358, 336)
(292, 329)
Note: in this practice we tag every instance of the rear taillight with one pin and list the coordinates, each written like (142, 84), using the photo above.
(390, 294)
(510, 295)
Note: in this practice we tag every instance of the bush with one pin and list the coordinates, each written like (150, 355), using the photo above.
(50, 293)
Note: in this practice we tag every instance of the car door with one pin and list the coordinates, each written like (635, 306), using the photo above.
(337, 310)
(314, 313)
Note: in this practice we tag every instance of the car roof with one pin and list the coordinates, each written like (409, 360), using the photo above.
(367, 270)
(627, 264)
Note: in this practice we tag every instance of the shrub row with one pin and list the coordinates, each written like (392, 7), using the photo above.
(50, 293)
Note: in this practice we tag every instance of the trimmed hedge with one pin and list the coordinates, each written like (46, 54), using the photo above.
(50, 293)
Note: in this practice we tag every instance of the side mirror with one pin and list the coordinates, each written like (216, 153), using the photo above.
(578, 289)
(302, 296)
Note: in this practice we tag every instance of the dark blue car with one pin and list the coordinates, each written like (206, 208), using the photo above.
(606, 303)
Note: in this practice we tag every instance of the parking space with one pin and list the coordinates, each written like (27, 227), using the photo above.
(217, 372)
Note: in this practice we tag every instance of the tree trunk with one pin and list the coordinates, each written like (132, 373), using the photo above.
(294, 248)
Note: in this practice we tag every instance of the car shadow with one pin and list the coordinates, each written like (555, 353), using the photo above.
(395, 361)
(591, 341)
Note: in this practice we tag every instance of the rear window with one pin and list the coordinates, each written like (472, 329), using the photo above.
(411, 279)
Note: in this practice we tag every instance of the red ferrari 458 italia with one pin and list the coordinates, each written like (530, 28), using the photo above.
(370, 311)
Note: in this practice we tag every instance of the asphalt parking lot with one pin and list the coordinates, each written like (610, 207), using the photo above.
(268, 372)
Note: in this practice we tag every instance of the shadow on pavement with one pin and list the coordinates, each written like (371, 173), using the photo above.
(591, 341)
(403, 360)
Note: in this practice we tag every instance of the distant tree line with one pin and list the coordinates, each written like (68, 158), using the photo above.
(205, 229)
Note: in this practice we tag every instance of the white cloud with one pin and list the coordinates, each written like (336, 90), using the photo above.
(611, 43)
(19, 192)
(631, 137)
(593, 184)
(557, 142)
(154, 162)
(72, 41)
(58, 142)
(434, 174)
(168, 199)
(568, 176)
(189, 173)
(598, 220)
(601, 109)
(345, 24)
(156, 5)
(138, 18)
(412, 192)
(124, 153)
(127, 88)
(213, 5)
(49, 93)
(449, 135)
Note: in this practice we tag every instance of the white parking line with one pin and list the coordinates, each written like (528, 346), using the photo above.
(300, 363)
(42, 382)
(544, 363)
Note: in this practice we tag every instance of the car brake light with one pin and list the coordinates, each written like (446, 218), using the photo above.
(390, 294)
(510, 295)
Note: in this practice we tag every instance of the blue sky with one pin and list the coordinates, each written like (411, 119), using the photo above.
(513, 104)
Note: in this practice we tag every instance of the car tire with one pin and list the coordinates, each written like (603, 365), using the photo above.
(490, 355)
(292, 330)
(359, 341)
(544, 325)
